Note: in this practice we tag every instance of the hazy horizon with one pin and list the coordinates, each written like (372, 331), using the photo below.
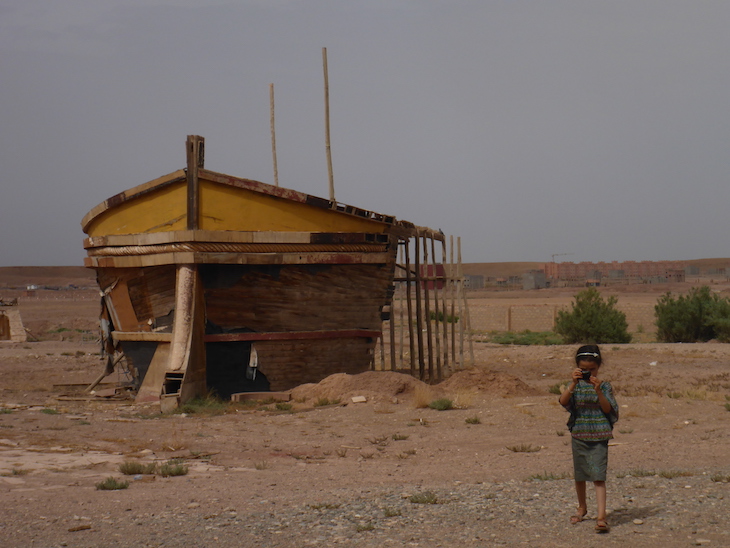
(529, 129)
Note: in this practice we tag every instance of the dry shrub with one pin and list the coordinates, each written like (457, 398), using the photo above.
(422, 396)
(463, 399)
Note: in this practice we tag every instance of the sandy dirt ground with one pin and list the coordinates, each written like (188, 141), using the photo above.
(498, 466)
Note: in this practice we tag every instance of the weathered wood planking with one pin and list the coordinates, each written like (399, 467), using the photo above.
(198, 257)
(300, 298)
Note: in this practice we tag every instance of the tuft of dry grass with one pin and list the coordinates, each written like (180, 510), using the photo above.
(524, 448)
(133, 468)
(172, 468)
(422, 396)
(427, 497)
(463, 398)
(111, 484)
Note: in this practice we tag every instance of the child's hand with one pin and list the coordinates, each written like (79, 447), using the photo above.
(596, 383)
(577, 374)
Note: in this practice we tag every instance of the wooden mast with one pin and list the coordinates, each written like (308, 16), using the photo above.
(273, 134)
(327, 125)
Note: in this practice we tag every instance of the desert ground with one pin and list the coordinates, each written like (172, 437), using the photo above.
(494, 471)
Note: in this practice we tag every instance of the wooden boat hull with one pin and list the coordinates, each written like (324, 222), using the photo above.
(214, 283)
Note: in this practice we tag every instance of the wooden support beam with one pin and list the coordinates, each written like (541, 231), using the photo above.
(195, 148)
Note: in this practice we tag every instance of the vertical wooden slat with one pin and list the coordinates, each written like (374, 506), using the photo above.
(391, 324)
(443, 306)
(427, 307)
(401, 304)
(419, 311)
(460, 298)
(439, 372)
(452, 291)
(467, 316)
(409, 304)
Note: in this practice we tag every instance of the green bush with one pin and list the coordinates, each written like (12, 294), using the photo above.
(698, 316)
(591, 320)
(449, 318)
(442, 404)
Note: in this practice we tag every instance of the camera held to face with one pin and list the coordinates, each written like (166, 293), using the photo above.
(586, 375)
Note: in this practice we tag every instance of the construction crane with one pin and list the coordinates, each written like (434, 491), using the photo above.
(558, 255)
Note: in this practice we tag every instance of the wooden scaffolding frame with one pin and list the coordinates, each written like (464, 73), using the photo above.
(426, 330)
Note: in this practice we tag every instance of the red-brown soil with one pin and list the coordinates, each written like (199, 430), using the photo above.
(344, 474)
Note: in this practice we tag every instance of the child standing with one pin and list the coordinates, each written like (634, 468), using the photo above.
(593, 412)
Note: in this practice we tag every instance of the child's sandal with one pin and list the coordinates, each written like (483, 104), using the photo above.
(602, 526)
(579, 515)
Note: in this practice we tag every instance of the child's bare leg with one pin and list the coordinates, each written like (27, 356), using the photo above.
(580, 490)
(600, 498)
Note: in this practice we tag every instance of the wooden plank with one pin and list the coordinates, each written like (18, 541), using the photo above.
(171, 178)
(221, 236)
(228, 208)
(152, 383)
(236, 258)
(292, 335)
(160, 210)
(121, 309)
(141, 336)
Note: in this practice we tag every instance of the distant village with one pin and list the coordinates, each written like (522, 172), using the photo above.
(567, 274)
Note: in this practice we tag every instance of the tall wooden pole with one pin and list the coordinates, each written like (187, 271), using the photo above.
(273, 134)
(327, 124)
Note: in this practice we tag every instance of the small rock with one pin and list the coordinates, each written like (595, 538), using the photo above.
(638, 522)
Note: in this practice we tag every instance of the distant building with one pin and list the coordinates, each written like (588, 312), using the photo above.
(472, 281)
(630, 269)
(534, 279)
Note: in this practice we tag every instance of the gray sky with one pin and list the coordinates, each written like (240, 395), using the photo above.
(599, 129)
